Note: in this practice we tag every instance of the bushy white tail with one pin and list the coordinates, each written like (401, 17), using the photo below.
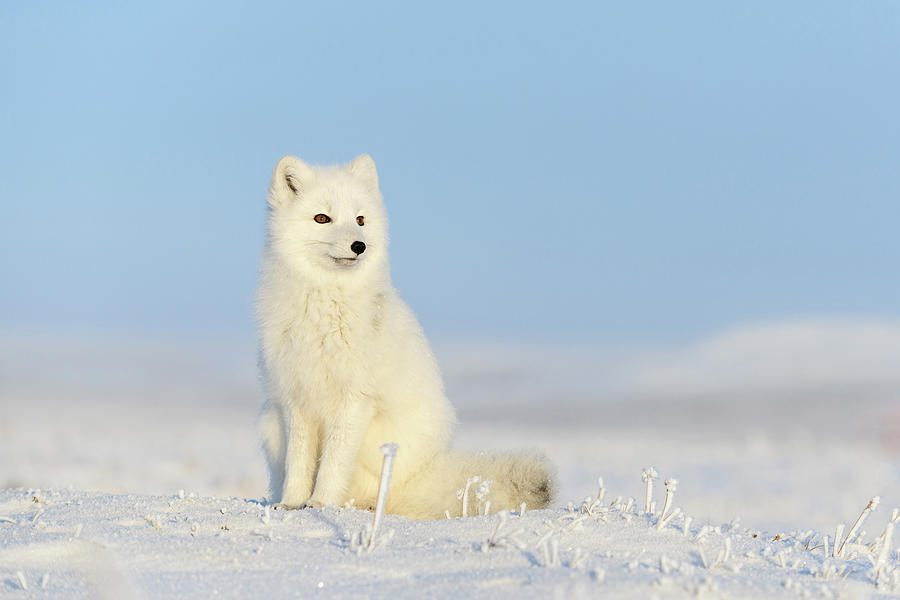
(514, 479)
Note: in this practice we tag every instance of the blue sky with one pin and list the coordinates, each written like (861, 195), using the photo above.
(600, 171)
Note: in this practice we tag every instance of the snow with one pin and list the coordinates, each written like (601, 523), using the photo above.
(98, 439)
(89, 544)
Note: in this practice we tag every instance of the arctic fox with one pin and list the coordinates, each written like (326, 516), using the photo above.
(347, 368)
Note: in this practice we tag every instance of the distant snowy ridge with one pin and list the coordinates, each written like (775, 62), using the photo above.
(803, 354)
(787, 355)
(823, 375)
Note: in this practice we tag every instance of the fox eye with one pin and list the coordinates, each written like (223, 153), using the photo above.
(320, 218)
(360, 221)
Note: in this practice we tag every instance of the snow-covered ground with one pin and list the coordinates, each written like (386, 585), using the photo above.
(791, 428)
(64, 544)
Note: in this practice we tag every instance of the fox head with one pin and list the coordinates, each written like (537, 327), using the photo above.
(328, 222)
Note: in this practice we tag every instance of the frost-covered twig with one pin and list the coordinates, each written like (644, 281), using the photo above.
(872, 505)
(663, 523)
(838, 532)
(498, 540)
(725, 553)
(648, 475)
(703, 531)
(481, 493)
(686, 529)
(552, 531)
(671, 486)
(600, 490)
(810, 536)
(575, 523)
(592, 507)
(366, 540)
(702, 556)
(550, 550)
(895, 517)
(721, 557)
(578, 559)
(463, 494)
(885, 551)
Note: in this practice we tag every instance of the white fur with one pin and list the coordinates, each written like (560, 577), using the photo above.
(346, 366)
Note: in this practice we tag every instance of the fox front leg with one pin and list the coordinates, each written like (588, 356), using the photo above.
(273, 430)
(299, 460)
(341, 441)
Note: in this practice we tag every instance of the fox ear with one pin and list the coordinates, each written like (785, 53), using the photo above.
(364, 167)
(291, 175)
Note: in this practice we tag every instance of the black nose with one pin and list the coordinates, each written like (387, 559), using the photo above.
(358, 247)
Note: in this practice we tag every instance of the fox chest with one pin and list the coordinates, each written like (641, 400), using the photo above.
(330, 345)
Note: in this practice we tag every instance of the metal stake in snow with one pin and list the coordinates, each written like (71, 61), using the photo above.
(390, 452)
